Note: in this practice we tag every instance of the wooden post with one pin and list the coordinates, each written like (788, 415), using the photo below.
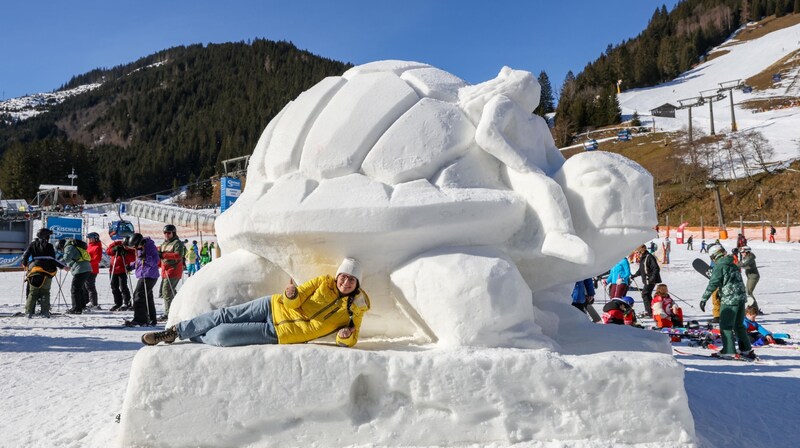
(788, 231)
(702, 228)
(763, 229)
(741, 224)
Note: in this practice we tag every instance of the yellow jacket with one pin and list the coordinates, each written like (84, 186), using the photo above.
(316, 311)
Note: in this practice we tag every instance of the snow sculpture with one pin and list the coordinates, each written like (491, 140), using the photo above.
(395, 162)
(468, 222)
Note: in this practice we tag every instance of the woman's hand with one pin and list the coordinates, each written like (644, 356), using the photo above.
(346, 332)
(291, 289)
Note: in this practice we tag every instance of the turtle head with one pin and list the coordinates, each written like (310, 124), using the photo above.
(611, 201)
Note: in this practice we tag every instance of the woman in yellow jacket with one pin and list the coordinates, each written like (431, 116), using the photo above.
(316, 308)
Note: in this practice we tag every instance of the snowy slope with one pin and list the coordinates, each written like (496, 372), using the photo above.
(29, 106)
(63, 380)
(744, 59)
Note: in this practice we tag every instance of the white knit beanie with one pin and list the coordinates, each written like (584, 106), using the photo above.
(350, 266)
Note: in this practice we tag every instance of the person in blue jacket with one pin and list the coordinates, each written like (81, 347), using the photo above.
(583, 294)
(758, 334)
(583, 298)
(619, 278)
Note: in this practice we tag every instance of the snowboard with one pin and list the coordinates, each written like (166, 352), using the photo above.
(592, 313)
(702, 267)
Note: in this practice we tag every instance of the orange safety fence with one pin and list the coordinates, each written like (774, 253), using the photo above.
(752, 233)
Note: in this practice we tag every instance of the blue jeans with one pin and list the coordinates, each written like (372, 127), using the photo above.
(246, 324)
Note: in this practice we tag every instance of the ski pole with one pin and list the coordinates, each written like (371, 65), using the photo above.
(111, 275)
(24, 281)
(60, 295)
(147, 299)
(672, 294)
(130, 285)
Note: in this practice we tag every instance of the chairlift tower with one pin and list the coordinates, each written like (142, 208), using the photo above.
(711, 184)
(238, 165)
(729, 86)
(710, 96)
(689, 103)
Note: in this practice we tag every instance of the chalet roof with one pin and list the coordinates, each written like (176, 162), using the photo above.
(665, 106)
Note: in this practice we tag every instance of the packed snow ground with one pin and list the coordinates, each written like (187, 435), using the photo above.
(63, 380)
(744, 59)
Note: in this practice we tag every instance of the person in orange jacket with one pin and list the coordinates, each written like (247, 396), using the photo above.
(171, 253)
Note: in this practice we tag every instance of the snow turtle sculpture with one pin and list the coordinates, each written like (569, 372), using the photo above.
(396, 163)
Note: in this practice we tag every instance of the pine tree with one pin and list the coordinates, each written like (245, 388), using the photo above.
(565, 124)
(744, 15)
(754, 10)
(635, 121)
(780, 8)
(546, 101)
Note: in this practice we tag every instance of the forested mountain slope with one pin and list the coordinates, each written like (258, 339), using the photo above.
(161, 121)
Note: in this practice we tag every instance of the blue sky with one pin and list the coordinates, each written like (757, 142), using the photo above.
(44, 43)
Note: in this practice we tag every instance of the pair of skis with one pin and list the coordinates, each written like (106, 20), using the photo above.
(717, 356)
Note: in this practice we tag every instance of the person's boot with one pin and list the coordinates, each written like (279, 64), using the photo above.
(751, 355)
(167, 336)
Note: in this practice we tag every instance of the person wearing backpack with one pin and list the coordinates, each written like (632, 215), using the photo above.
(40, 264)
(78, 262)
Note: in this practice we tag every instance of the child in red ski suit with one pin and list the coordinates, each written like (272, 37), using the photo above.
(665, 312)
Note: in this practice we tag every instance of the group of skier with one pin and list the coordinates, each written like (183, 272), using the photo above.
(735, 307)
(136, 253)
(197, 257)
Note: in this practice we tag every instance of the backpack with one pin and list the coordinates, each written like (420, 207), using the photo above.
(83, 254)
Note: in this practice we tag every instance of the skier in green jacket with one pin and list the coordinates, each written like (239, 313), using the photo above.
(728, 278)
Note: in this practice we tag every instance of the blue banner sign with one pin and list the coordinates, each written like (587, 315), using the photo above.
(10, 260)
(64, 228)
(229, 190)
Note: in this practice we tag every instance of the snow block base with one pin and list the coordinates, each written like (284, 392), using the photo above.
(188, 395)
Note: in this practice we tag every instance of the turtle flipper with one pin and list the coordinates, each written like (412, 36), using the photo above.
(567, 246)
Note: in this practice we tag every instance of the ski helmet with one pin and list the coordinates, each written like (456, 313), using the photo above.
(169, 228)
(628, 299)
(744, 249)
(44, 233)
(716, 251)
(93, 235)
(136, 240)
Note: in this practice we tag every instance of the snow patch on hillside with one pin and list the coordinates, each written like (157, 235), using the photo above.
(32, 105)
